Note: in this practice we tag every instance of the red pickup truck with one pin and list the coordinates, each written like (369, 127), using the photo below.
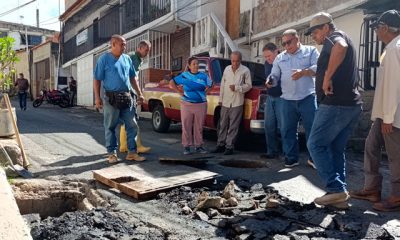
(165, 103)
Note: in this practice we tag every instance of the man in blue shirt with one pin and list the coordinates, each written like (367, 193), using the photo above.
(114, 70)
(295, 67)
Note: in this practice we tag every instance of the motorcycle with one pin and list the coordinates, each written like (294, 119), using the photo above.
(56, 97)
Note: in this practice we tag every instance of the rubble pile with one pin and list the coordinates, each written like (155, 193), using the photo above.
(94, 224)
(245, 211)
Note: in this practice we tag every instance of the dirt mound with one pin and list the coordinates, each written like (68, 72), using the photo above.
(94, 224)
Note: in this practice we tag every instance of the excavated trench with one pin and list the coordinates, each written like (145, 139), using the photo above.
(239, 210)
(70, 210)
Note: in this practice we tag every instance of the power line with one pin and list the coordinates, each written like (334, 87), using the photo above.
(16, 8)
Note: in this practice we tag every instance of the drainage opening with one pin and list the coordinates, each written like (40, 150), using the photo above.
(53, 198)
(243, 163)
(124, 179)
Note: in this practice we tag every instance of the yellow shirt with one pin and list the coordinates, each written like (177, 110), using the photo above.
(241, 78)
(386, 104)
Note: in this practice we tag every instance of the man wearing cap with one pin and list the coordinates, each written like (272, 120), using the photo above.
(339, 107)
(385, 130)
(295, 67)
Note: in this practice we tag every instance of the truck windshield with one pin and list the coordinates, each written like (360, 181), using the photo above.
(256, 71)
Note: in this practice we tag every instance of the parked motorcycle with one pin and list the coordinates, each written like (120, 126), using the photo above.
(56, 97)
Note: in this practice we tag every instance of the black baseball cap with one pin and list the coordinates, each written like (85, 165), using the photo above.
(390, 18)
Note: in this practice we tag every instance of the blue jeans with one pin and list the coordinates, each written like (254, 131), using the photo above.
(22, 99)
(292, 111)
(329, 134)
(114, 116)
(272, 118)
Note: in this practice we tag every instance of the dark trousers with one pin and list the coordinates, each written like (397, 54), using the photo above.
(22, 99)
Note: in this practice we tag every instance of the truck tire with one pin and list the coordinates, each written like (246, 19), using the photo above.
(159, 121)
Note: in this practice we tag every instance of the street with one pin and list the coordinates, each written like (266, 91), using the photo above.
(68, 144)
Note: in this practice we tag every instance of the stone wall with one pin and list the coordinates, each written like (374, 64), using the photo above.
(272, 13)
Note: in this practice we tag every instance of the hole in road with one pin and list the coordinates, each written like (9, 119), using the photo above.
(124, 179)
(53, 198)
(243, 164)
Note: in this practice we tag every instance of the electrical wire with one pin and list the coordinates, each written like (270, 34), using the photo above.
(16, 8)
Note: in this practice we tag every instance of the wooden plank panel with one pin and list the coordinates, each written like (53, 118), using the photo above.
(146, 180)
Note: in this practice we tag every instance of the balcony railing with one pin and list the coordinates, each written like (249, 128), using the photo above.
(211, 36)
(119, 19)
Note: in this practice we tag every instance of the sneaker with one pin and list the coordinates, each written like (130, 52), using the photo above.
(200, 150)
(310, 163)
(290, 164)
(143, 149)
(112, 158)
(186, 151)
(369, 195)
(228, 151)
(132, 156)
(332, 198)
(218, 149)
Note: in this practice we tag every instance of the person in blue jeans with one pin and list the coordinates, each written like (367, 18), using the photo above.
(272, 112)
(295, 67)
(339, 108)
(23, 87)
(115, 72)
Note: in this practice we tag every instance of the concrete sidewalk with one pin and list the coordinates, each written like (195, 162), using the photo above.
(12, 225)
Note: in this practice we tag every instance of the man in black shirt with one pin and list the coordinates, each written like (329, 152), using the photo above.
(339, 107)
(272, 115)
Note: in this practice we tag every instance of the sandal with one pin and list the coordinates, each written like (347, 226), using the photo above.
(387, 206)
(112, 158)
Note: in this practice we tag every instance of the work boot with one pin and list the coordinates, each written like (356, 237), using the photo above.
(218, 149)
(369, 195)
(134, 157)
(112, 158)
(332, 198)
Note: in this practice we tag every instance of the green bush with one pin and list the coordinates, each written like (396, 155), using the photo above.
(8, 59)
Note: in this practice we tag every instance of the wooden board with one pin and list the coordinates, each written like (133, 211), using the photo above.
(146, 180)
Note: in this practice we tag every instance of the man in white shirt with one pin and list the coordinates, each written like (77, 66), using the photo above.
(385, 131)
(235, 82)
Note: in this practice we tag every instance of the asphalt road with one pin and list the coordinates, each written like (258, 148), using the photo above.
(69, 143)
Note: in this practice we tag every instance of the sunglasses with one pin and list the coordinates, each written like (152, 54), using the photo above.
(288, 42)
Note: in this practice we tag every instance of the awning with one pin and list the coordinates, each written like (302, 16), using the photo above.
(379, 6)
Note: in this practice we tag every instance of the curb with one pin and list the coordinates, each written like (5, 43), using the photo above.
(12, 225)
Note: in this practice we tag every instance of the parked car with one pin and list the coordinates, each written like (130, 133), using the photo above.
(165, 103)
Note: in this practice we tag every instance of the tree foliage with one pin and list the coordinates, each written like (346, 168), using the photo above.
(8, 59)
